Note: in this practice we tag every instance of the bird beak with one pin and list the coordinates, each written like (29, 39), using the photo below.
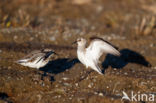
(55, 53)
(74, 42)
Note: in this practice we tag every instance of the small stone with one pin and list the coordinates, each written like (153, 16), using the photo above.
(89, 86)
(59, 96)
(43, 84)
(35, 82)
(54, 96)
(93, 28)
(67, 84)
(65, 78)
(109, 38)
(152, 45)
(100, 94)
(99, 8)
(31, 39)
(9, 67)
(76, 84)
(115, 68)
(126, 73)
(15, 37)
(94, 80)
(95, 93)
(52, 38)
(107, 87)
(112, 99)
(9, 77)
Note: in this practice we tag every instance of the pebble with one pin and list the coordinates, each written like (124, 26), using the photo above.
(100, 94)
(76, 84)
(126, 73)
(115, 68)
(56, 86)
(152, 45)
(117, 73)
(94, 80)
(15, 37)
(54, 96)
(112, 99)
(133, 71)
(39, 97)
(89, 86)
(31, 38)
(35, 82)
(65, 78)
(95, 93)
(93, 27)
(43, 84)
(99, 8)
(59, 96)
(9, 67)
(67, 84)
(52, 38)
(9, 77)
(143, 83)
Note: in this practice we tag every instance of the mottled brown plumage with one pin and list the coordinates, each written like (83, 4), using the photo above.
(37, 58)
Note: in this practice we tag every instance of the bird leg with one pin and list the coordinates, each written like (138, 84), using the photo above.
(86, 75)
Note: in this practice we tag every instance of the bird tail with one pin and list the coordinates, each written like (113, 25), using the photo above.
(21, 61)
(97, 68)
(116, 52)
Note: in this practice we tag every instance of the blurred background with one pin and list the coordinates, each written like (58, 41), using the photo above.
(27, 25)
(66, 18)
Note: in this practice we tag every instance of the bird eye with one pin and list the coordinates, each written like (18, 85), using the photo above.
(78, 40)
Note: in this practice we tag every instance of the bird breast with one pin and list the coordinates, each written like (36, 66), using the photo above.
(81, 56)
(85, 58)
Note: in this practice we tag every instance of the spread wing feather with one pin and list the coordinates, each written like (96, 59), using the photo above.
(35, 55)
(98, 47)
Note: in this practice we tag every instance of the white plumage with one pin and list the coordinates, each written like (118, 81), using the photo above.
(90, 56)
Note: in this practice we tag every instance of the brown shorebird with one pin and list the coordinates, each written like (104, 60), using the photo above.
(37, 58)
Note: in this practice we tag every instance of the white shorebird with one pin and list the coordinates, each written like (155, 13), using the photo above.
(90, 56)
(37, 58)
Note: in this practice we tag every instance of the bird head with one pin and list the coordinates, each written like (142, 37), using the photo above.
(49, 51)
(80, 41)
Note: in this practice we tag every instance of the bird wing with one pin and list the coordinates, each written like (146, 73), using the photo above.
(44, 55)
(31, 57)
(37, 56)
(97, 47)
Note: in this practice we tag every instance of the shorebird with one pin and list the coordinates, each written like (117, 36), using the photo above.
(37, 58)
(90, 56)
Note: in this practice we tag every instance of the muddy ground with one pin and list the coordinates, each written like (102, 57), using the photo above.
(27, 25)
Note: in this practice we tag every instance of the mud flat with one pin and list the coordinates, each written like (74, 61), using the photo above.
(130, 25)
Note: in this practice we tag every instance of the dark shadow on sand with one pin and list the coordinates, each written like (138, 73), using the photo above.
(59, 65)
(127, 56)
(4, 97)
